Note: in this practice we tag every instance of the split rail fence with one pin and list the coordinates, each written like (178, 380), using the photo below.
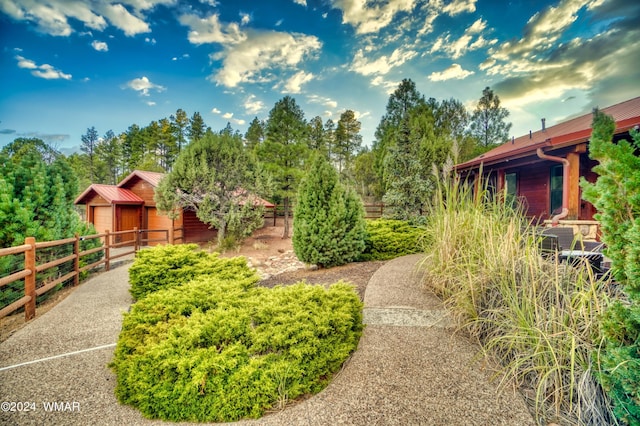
(114, 246)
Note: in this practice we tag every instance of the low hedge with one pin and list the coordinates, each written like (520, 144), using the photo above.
(388, 238)
(217, 350)
(169, 265)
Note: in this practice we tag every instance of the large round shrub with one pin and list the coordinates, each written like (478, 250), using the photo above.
(329, 224)
(172, 265)
(219, 350)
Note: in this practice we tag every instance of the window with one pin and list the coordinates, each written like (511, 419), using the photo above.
(511, 182)
(555, 189)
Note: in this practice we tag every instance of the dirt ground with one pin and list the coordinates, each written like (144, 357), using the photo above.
(265, 249)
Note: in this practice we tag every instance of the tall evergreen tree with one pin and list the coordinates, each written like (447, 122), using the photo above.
(284, 150)
(347, 142)
(255, 134)
(318, 138)
(488, 121)
(329, 225)
(616, 196)
(394, 124)
(180, 125)
(196, 128)
(109, 152)
(88, 146)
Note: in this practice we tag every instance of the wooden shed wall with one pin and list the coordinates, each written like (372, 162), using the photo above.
(142, 189)
(195, 230)
(533, 186)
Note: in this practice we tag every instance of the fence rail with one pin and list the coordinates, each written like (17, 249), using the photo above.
(120, 241)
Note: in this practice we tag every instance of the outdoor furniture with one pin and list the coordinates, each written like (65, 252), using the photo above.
(571, 250)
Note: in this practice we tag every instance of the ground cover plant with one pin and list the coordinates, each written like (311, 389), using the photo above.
(219, 348)
(173, 265)
(389, 238)
(538, 318)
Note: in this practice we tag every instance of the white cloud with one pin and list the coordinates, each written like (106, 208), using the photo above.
(294, 84)
(301, 2)
(55, 17)
(227, 115)
(252, 105)
(239, 121)
(328, 102)
(143, 85)
(370, 19)
(457, 7)
(455, 71)
(151, 103)
(26, 63)
(100, 46)
(150, 40)
(249, 56)
(216, 110)
(383, 64)
(211, 30)
(457, 48)
(45, 71)
(246, 61)
(245, 18)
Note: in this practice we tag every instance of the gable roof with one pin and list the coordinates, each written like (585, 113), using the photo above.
(153, 178)
(111, 193)
(571, 132)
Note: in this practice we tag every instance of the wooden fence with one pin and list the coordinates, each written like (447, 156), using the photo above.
(114, 245)
(371, 211)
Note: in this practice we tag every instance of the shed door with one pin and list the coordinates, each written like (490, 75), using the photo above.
(101, 218)
(127, 217)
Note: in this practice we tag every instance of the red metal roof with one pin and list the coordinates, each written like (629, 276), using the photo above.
(111, 193)
(571, 132)
(153, 178)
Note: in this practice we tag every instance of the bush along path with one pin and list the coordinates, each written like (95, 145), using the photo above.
(409, 370)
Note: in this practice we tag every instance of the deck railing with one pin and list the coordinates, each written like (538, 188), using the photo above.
(115, 245)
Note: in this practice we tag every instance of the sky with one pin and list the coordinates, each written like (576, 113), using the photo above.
(68, 65)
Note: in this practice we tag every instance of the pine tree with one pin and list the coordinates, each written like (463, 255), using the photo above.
(347, 142)
(616, 196)
(329, 225)
(488, 121)
(284, 151)
(255, 134)
(196, 128)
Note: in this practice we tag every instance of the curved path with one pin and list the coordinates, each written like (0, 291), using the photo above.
(409, 369)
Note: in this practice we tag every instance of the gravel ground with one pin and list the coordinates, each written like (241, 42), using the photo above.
(410, 368)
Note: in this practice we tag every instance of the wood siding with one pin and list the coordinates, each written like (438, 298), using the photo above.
(533, 188)
(196, 231)
(142, 189)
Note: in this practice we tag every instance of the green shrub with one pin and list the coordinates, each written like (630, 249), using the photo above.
(388, 239)
(329, 224)
(616, 196)
(219, 350)
(172, 265)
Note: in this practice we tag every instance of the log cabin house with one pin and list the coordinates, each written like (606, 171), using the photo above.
(543, 168)
(130, 204)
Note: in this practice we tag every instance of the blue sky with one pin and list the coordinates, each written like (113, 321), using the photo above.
(68, 65)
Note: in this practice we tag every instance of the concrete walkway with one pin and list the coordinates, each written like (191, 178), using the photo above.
(409, 369)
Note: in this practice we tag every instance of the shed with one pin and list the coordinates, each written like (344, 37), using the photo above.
(131, 204)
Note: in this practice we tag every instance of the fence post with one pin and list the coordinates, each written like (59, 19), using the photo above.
(136, 239)
(76, 261)
(107, 240)
(30, 280)
(171, 235)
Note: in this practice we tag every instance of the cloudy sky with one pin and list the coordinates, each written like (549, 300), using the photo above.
(71, 64)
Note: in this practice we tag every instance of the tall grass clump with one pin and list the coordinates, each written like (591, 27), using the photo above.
(536, 317)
